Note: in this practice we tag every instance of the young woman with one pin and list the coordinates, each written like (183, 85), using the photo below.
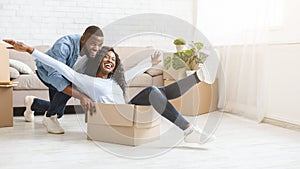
(105, 81)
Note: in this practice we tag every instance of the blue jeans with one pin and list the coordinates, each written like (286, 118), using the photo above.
(56, 105)
(158, 98)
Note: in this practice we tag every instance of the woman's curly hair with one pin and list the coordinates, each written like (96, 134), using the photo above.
(117, 75)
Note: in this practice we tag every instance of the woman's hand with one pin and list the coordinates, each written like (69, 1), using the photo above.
(19, 46)
(155, 58)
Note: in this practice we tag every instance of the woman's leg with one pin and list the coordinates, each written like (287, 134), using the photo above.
(179, 87)
(157, 97)
(154, 96)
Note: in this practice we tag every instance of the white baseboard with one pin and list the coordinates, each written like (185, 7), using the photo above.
(283, 124)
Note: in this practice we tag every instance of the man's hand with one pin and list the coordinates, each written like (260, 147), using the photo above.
(19, 46)
(155, 58)
(87, 104)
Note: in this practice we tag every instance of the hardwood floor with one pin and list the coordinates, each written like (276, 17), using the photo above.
(240, 143)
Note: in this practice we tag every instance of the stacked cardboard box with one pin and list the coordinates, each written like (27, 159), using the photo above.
(6, 108)
(124, 124)
(200, 99)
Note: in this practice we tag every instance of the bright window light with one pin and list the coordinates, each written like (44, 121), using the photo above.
(229, 21)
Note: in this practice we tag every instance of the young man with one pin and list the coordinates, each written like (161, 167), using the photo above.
(74, 51)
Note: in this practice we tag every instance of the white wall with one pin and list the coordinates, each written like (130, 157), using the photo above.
(283, 66)
(289, 31)
(281, 57)
(39, 22)
(283, 82)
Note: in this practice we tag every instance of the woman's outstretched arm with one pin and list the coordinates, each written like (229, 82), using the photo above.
(143, 66)
(76, 78)
(65, 70)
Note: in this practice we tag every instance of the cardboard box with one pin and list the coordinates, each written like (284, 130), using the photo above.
(4, 65)
(200, 99)
(124, 124)
(6, 106)
(6, 88)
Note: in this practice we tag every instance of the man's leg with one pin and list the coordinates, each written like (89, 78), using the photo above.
(56, 110)
(58, 101)
(56, 106)
(39, 104)
(34, 104)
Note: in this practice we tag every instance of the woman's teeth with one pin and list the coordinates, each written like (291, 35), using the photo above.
(107, 65)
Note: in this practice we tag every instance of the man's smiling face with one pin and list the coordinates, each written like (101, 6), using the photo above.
(91, 46)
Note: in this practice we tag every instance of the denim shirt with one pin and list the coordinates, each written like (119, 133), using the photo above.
(66, 50)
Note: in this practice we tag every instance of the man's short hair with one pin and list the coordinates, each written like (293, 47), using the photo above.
(93, 30)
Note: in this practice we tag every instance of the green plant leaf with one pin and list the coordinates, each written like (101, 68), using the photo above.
(198, 45)
(167, 62)
(188, 51)
(177, 63)
(179, 41)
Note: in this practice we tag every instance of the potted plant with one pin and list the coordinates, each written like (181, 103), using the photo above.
(190, 58)
(179, 42)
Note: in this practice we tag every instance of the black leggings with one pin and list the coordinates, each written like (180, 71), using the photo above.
(158, 98)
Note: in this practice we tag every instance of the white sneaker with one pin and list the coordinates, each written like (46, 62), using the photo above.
(195, 135)
(208, 71)
(52, 125)
(28, 113)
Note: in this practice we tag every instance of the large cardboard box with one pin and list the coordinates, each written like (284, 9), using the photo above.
(124, 124)
(4, 65)
(200, 99)
(6, 106)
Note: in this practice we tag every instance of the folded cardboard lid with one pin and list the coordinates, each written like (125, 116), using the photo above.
(112, 114)
(9, 84)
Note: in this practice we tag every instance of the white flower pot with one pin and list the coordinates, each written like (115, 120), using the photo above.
(179, 48)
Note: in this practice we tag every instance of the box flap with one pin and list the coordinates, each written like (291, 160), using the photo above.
(146, 117)
(112, 114)
(9, 84)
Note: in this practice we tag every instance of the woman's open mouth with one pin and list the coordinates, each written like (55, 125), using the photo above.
(108, 65)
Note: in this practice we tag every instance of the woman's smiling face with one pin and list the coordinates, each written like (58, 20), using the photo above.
(108, 63)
